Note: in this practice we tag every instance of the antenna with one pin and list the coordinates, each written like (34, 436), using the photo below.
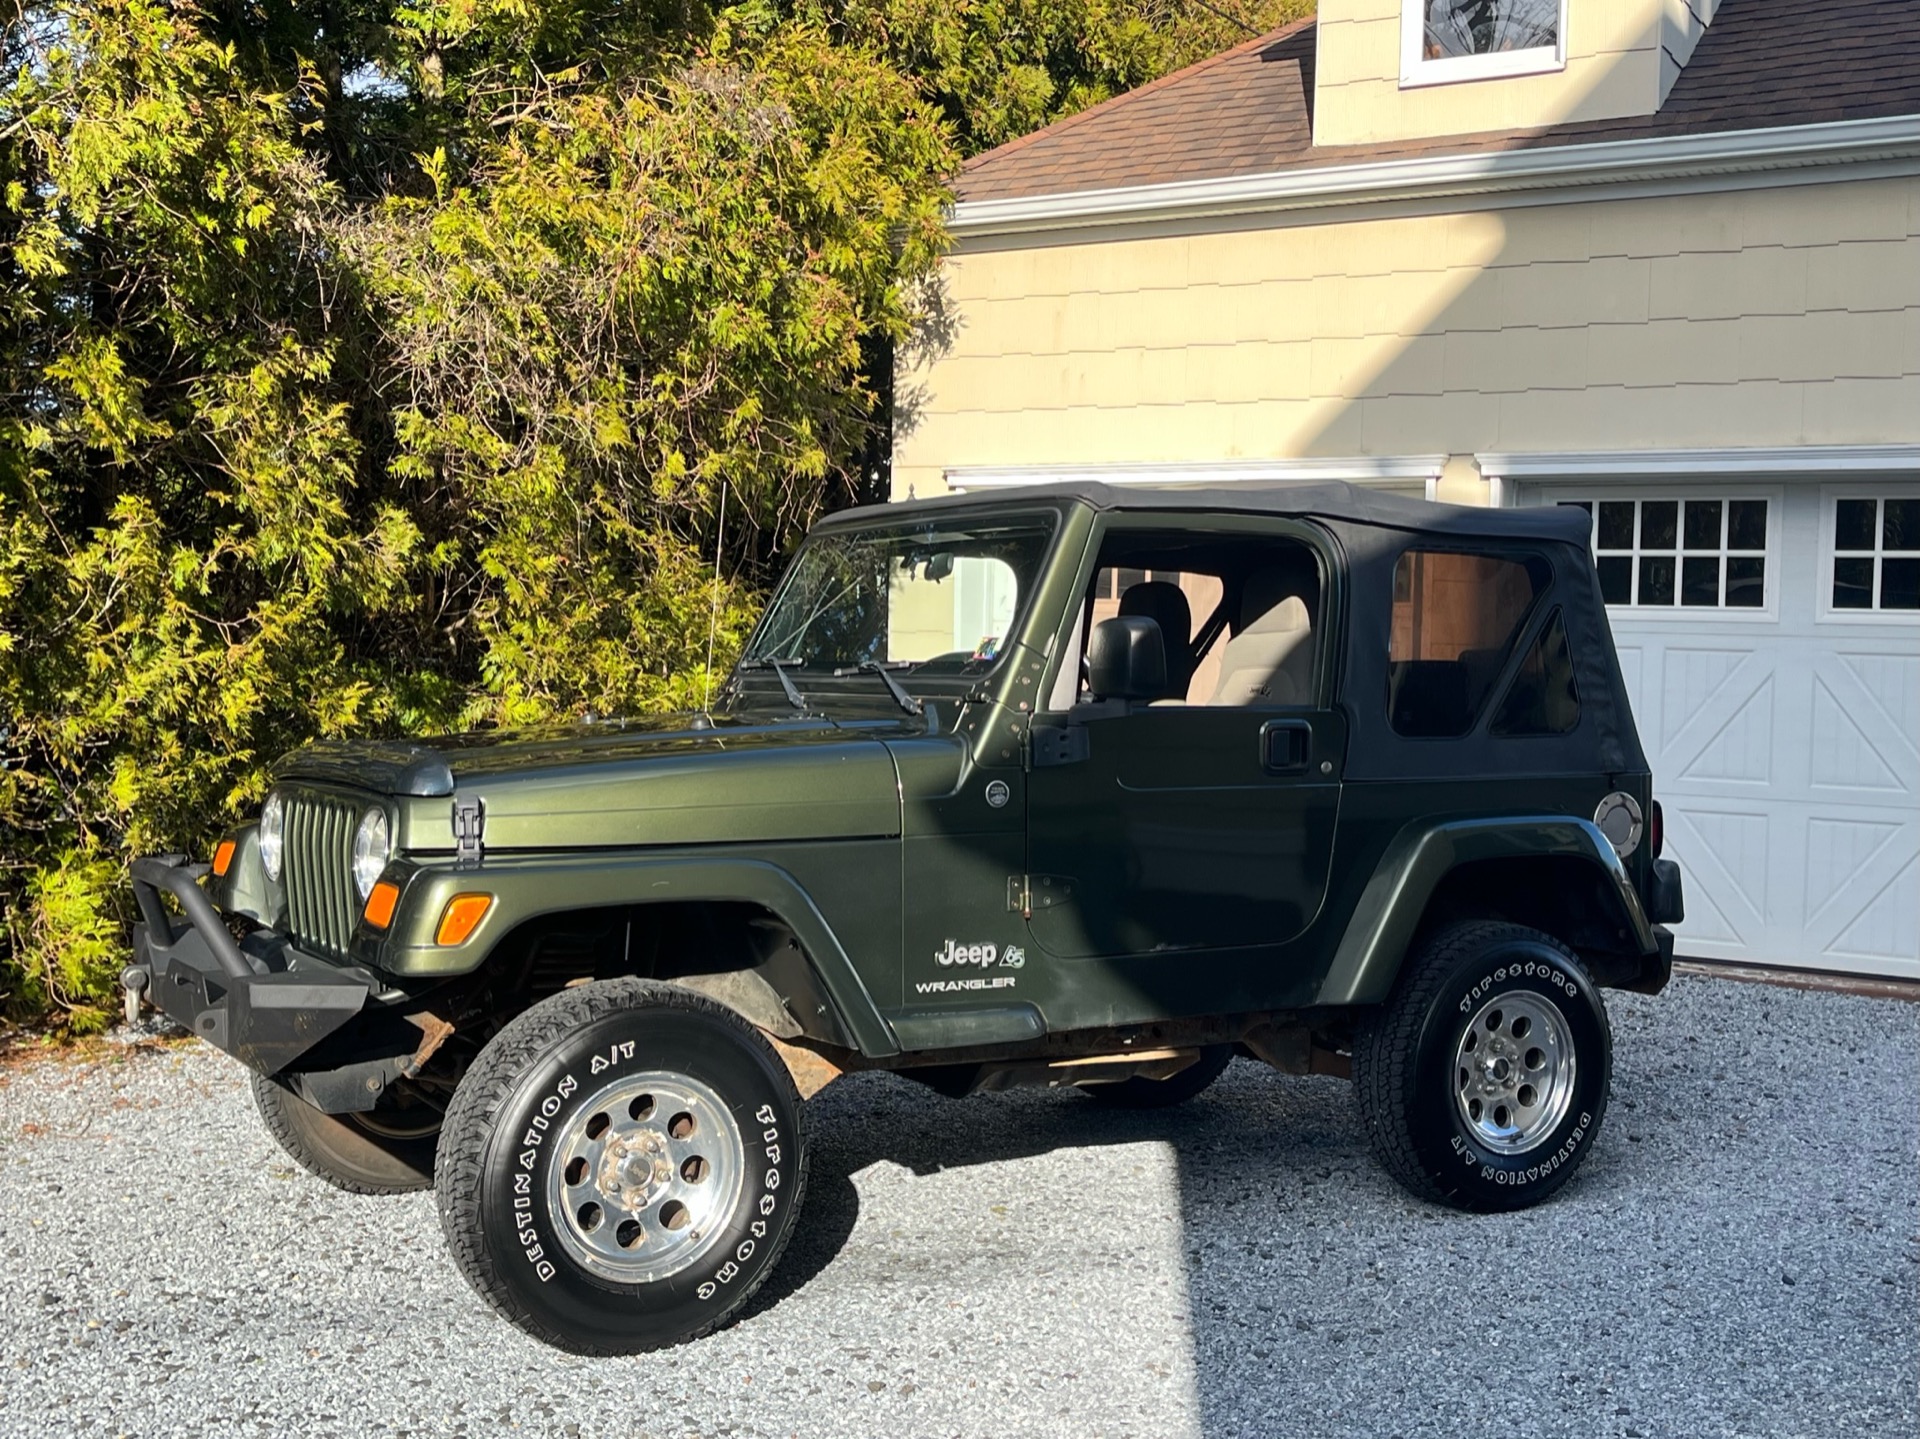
(713, 623)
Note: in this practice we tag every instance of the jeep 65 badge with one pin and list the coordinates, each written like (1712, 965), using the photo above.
(1336, 781)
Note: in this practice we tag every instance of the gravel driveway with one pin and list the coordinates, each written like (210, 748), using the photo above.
(1738, 1257)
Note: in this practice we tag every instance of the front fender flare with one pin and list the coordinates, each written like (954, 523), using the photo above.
(527, 888)
(1418, 860)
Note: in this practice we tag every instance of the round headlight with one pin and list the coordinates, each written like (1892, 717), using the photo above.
(372, 846)
(273, 824)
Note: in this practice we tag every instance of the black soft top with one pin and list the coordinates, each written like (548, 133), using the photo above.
(1373, 529)
(1335, 500)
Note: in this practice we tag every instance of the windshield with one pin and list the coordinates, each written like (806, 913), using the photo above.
(941, 596)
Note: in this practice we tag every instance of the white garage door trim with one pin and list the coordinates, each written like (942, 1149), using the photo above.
(1785, 742)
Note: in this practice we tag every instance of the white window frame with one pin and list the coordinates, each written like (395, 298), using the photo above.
(1416, 70)
(1774, 495)
(1830, 497)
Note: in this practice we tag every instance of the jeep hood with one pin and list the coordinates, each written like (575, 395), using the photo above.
(678, 779)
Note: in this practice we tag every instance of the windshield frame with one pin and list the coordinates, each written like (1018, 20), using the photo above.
(824, 681)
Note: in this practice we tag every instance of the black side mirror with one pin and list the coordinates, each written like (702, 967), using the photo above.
(1127, 659)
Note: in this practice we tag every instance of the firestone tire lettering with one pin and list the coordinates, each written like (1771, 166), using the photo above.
(1404, 1061)
(527, 1083)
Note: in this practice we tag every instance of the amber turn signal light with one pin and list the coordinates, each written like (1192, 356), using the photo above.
(223, 858)
(380, 904)
(461, 917)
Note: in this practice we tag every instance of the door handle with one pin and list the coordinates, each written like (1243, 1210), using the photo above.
(1285, 746)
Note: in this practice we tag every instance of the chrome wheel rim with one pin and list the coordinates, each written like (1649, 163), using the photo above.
(644, 1175)
(1513, 1072)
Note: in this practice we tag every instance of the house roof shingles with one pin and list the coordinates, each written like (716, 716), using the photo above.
(1248, 111)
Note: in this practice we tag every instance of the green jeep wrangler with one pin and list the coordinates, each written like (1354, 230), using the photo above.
(1068, 785)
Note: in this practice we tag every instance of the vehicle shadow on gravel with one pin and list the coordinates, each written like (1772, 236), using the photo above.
(1695, 1277)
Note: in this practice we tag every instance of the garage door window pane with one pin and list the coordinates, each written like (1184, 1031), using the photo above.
(1900, 529)
(1656, 580)
(1900, 584)
(1747, 525)
(1659, 523)
(1703, 525)
(1700, 581)
(1616, 579)
(1853, 525)
(1853, 583)
(1876, 554)
(1616, 525)
(1746, 582)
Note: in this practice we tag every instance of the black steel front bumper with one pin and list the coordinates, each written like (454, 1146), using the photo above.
(260, 999)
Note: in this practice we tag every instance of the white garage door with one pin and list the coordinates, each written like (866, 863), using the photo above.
(1770, 638)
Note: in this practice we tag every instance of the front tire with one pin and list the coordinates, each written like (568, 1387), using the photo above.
(385, 1152)
(621, 1168)
(1484, 1080)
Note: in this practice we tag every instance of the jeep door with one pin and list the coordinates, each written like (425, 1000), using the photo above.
(1166, 835)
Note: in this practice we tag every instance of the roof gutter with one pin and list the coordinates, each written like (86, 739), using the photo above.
(1661, 164)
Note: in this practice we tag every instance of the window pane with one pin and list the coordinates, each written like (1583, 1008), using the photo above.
(1543, 698)
(1659, 525)
(1125, 579)
(1853, 584)
(1616, 524)
(1451, 636)
(1616, 578)
(1900, 525)
(1746, 524)
(1700, 580)
(1656, 580)
(1746, 582)
(1899, 584)
(1488, 27)
(1703, 524)
(1853, 525)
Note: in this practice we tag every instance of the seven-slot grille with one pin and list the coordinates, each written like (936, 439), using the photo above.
(317, 870)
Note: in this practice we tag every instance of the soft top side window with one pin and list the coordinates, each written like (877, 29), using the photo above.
(1543, 698)
(1456, 617)
(1238, 611)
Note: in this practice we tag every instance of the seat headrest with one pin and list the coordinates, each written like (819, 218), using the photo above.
(1164, 603)
(1269, 587)
(1291, 577)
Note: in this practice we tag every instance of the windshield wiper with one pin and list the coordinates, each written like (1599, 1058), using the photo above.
(885, 669)
(780, 664)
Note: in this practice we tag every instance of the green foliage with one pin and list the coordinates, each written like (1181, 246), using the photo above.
(383, 368)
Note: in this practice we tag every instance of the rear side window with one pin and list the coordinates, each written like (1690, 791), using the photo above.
(1543, 698)
(1455, 619)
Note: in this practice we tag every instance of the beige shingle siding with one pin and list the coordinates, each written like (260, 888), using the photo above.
(1760, 317)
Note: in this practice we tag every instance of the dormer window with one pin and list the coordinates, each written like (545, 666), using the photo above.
(1442, 41)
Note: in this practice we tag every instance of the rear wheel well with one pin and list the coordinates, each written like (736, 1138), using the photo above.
(1572, 899)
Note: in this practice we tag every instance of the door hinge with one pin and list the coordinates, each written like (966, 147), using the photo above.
(469, 820)
(1056, 745)
(1029, 892)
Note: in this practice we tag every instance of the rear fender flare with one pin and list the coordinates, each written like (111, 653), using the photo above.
(525, 889)
(1416, 864)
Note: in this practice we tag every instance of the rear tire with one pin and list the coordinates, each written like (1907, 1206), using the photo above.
(345, 1149)
(621, 1167)
(1139, 1093)
(1484, 1080)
